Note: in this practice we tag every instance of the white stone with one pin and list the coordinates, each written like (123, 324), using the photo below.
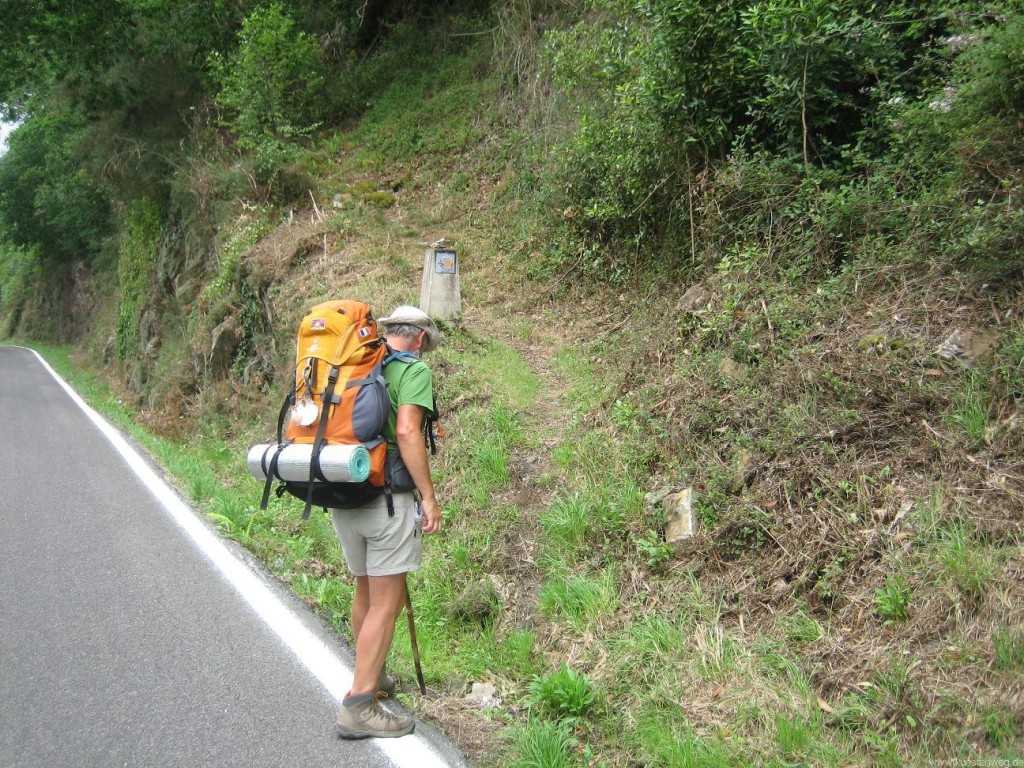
(485, 694)
(680, 522)
(954, 346)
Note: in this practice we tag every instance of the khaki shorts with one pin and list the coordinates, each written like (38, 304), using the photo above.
(377, 545)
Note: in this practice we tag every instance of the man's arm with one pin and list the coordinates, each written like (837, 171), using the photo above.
(408, 431)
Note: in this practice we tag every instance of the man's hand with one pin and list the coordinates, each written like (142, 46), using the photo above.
(431, 515)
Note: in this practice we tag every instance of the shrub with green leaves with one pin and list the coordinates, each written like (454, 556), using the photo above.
(236, 239)
(47, 195)
(272, 86)
(665, 88)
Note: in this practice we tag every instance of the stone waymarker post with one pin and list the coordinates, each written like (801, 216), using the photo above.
(440, 294)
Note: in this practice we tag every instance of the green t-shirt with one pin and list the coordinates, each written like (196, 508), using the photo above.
(409, 383)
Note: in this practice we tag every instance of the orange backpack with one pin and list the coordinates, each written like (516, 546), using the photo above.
(339, 398)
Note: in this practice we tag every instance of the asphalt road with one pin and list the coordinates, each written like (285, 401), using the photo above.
(123, 641)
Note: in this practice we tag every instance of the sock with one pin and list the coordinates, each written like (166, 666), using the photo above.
(357, 699)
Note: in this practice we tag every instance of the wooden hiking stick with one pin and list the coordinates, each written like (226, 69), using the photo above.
(415, 645)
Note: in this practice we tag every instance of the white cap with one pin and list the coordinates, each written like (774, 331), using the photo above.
(406, 315)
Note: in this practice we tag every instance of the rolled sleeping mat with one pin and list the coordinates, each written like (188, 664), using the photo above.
(338, 463)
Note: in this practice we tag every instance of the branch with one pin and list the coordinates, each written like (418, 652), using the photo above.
(803, 108)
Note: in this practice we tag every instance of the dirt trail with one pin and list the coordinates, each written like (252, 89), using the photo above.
(537, 327)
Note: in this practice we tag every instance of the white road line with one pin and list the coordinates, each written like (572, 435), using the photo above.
(325, 665)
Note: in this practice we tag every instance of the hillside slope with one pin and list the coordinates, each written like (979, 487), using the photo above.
(831, 362)
(853, 594)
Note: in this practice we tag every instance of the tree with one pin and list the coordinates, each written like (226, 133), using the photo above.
(47, 41)
(46, 198)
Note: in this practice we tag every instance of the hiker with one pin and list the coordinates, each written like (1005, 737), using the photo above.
(381, 549)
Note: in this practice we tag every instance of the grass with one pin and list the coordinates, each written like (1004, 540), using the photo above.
(1008, 646)
(581, 601)
(801, 627)
(667, 740)
(542, 744)
(495, 368)
(972, 408)
(406, 122)
(969, 565)
(567, 524)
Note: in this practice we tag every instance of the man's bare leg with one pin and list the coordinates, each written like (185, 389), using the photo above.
(375, 610)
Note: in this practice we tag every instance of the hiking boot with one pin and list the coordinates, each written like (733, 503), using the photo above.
(386, 684)
(361, 716)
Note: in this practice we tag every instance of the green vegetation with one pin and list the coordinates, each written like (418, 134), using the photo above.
(134, 270)
(273, 87)
(893, 599)
(19, 277)
(563, 695)
(767, 251)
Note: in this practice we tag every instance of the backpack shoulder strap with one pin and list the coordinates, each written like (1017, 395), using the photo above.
(318, 441)
(405, 357)
(430, 418)
(432, 429)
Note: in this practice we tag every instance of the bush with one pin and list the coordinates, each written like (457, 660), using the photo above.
(892, 601)
(668, 89)
(273, 86)
(994, 69)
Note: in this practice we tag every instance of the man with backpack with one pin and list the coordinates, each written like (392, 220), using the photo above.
(382, 541)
